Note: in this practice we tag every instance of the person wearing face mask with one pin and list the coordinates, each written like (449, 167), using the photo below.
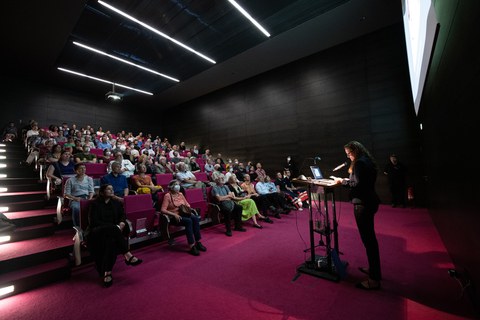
(170, 206)
(107, 157)
(85, 156)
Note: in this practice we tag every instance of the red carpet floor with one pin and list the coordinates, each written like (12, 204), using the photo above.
(250, 276)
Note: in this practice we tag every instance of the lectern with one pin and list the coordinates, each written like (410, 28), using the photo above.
(329, 266)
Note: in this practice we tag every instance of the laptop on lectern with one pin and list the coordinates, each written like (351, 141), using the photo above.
(317, 174)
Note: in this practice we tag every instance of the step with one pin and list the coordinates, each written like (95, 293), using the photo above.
(17, 172)
(25, 205)
(32, 217)
(36, 276)
(33, 231)
(17, 255)
(23, 196)
(5, 182)
(26, 187)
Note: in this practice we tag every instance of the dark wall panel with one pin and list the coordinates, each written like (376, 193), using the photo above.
(312, 107)
(450, 118)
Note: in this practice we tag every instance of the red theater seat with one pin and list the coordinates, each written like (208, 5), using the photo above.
(139, 210)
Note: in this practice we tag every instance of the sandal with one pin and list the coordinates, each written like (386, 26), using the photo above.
(258, 226)
(364, 270)
(107, 280)
(368, 284)
(130, 261)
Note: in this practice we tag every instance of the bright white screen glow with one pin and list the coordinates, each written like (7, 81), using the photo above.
(420, 23)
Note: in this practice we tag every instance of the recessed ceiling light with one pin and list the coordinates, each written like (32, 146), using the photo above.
(143, 24)
(103, 80)
(124, 61)
(249, 17)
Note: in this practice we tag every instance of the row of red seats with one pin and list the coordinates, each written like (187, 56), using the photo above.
(144, 218)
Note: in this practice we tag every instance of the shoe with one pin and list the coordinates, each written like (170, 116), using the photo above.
(228, 233)
(241, 229)
(194, 251)
(257, 226)
(200, 246)
(267, 220)
(277, 215)
(106, 282)
(130, 261)
(364, 270)
(368, 284)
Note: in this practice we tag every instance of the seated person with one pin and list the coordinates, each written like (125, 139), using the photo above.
(209, 167)
(60, 169)
(143, 182)
(85, 156)
(162, 166)
(285, 187)
(77, 188)
(260, 172)
(240, 171)
(170, 206)
(117, 180)
(224, 198)
(127, 167)
(106, 158)
(250, 210)
(268, 188)
(194, 167)
(261, 200)
(186, 178)
(104, 143)
(104, 234)
(10, 132)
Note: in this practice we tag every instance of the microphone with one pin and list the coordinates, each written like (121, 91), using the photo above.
(317, 158)
(340, 166)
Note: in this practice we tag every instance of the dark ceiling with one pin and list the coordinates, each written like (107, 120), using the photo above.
(39, 38)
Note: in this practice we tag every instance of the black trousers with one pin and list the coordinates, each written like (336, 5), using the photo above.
(105, 243)
(235, 214)
(364, 217)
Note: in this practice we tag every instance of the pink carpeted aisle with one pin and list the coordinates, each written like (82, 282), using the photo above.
(249, 276)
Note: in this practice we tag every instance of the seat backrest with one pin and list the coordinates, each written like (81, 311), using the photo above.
(84, 209)
(137, 202)
(97, 151)
(194, 195)
(139, 210)
(163, 179)
(95, 170)
(201, 176)
(160, 196)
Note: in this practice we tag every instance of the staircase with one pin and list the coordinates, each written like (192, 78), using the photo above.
(38, 251)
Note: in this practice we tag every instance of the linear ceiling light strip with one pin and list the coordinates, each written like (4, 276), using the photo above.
(124, 61)
(249, 17)
(104, 81)
(156, 31)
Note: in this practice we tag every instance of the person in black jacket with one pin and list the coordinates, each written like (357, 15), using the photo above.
(363, 174)
(396, 173)
(105, 234)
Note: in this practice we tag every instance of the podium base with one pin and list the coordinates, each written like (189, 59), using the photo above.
(320, 269)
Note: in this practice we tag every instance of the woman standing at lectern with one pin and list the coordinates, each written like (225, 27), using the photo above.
(363, 174)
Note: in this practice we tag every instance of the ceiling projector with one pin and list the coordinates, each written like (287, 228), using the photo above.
(113, 96)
